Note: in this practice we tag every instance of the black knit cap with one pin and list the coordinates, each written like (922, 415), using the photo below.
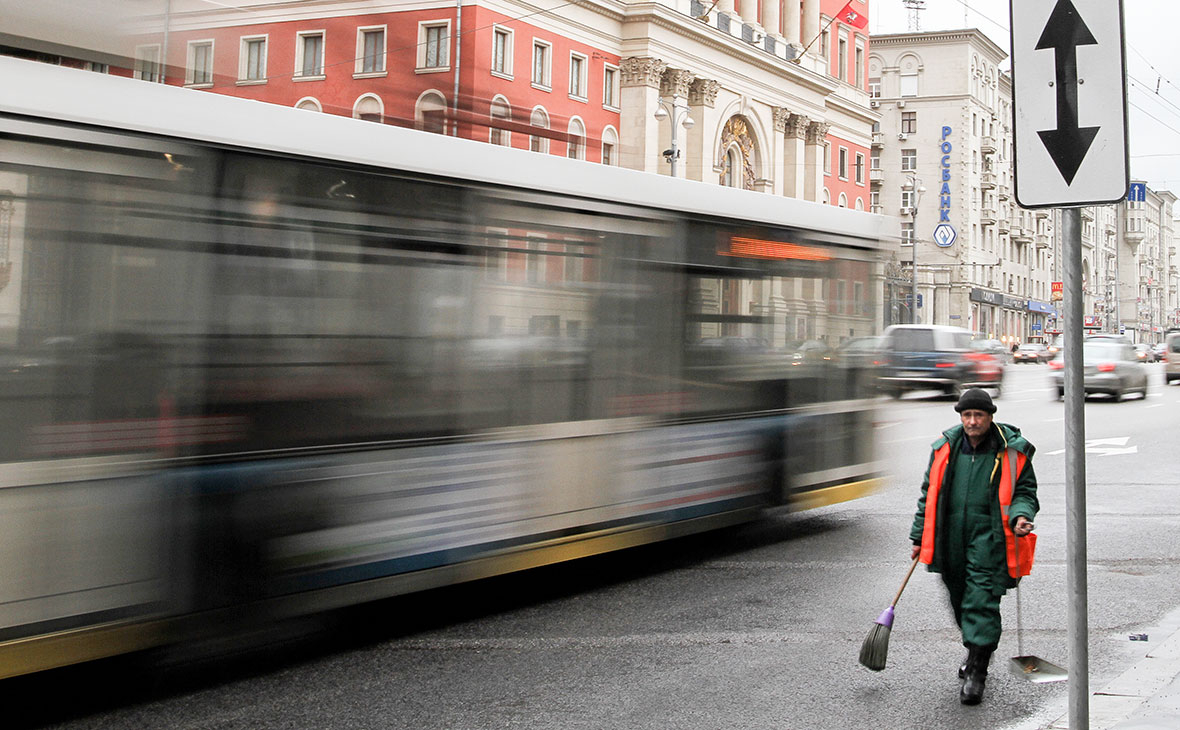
(975, 399)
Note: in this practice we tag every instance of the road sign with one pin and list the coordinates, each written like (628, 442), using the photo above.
(1069, 102)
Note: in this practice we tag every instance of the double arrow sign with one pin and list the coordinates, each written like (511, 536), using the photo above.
(1070, 102)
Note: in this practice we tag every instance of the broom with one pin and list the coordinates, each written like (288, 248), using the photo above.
(876, 646)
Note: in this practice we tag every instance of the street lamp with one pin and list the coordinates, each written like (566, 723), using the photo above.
(680, 117)
(915, 196)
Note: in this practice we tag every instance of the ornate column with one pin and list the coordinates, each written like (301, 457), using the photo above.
(674, 85)
(778, 149)
(702, 103)
(638, 129)
(795, 157)
(791, 22)
(725, 6)
(810, 24)
(749, 11)
(771, 17)
(817, 133)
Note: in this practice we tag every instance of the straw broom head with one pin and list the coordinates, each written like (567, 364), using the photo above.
(875, 648)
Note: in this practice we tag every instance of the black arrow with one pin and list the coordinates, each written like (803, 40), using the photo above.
(1067, 145)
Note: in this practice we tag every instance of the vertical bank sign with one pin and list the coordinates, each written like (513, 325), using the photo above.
(944, 232)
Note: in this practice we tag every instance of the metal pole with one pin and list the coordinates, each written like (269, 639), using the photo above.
(914, 257)
(1075, 475)
(675, 148)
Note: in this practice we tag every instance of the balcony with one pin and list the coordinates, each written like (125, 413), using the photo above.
(987, 145)
(1020, 234)
(878, 139)
(987, 216)
(876, 176)
(1087, 214)
(1004, 225)
(987, 180)
(1042, 240)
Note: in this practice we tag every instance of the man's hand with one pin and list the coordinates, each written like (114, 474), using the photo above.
(914, 552)
(1022, 527)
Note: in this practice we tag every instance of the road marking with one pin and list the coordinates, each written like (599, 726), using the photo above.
(1054, 420)
(1154, 405)
(1106, 447)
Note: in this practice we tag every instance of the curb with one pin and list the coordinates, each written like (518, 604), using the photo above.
(1117, 705)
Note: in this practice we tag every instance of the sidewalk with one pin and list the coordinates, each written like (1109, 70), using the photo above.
(1145, 697)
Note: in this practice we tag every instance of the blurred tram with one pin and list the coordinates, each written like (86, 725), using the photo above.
(260, 362)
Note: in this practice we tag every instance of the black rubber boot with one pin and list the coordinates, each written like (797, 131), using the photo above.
(963, 668)
(975, 675)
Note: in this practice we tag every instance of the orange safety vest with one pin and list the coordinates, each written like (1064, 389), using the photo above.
(1019, 553)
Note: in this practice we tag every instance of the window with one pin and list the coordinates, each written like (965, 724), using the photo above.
(501, 114)
(610, 87)
(859, 60)
(875, 160)
(842, 163)
(827, 158)
(842, 200)
(575, 148)
(578, 76)
(147, 63)
(200, 63)
(502, 52)
(610, 143)
(309, 55)
(434, 46)
(909, 159)
(252, 65)
(431, 113)
(874, 200)
(909, 84)
(860, 168)
(307, 103)
(539, 143)
(729, 177)
(907, 233)
(369, 108)
(907, 199)
(370, 50)
(909, 122)
(824, 43)
(98, 68)
(875, 87)
(842, 56)
(541, 51)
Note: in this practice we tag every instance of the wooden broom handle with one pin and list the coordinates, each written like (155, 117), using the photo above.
(913, 565)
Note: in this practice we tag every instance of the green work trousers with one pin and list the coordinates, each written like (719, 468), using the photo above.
(974, 561)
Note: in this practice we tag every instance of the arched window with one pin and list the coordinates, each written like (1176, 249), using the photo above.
(430, 113)
(575, 148)
(501, 112)
(610, 146)
(860, 203)
(732, 175)
(538, 143)
(369, 108)
(309, 103)
(827, 197)
(843, 200)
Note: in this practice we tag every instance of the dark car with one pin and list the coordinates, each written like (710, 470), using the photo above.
(936, 357)
(1033, 352)
(1109, 367)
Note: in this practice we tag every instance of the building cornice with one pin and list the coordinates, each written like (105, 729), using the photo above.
(941, 37)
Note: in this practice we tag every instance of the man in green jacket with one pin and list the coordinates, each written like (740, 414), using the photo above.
(979, 497)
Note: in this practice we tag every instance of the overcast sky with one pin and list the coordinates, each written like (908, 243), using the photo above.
(1152, 61)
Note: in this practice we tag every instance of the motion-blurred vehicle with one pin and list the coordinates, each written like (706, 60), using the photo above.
(1143, 352)
(864, 359)
(1055, 345)
(1031, 352)
(265, 363)
(1172, 357)
(1109, 368)
(1159, 351)
(997, 349)
(936, 357)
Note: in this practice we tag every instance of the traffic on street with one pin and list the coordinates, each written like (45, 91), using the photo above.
(752, 626)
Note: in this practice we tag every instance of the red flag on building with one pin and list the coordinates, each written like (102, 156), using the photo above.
(853, 17)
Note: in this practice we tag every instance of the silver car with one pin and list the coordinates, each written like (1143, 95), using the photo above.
(1109, 366)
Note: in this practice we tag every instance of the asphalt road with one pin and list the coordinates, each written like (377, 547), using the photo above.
(752, 627)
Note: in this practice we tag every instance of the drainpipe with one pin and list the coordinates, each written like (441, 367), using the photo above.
(458, 39)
